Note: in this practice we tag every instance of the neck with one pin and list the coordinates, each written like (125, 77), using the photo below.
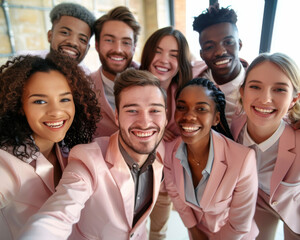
(199, 150)
(260, 134)
(110, 76)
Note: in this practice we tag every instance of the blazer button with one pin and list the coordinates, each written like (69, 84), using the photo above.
(131, 235)
(274, 203)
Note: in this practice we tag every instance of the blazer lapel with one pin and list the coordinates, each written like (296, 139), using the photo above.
(122, 176)
(285, 158)
(217, 173)
(45, 170)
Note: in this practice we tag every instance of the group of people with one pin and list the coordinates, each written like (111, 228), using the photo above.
(96, 156)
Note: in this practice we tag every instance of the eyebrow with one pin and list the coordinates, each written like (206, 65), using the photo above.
(211, 41)
(278, 83)
(44, 95)
(137, 105)
(69, 29)
(112, 36)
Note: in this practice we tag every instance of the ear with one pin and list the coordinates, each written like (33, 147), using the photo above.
(240, 44)
(49, 35)
(217, 119)
(242, 92)
(295, 99)
(87, 49)
(117, 117)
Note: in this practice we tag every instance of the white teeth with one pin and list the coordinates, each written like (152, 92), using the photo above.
(143, 134)
(262, 110)
(55, 124)
(190, 129)
(117, 58)
(69, 52)
(162, 69)
(222, 62)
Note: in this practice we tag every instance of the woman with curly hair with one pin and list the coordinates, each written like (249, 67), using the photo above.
(46, 108)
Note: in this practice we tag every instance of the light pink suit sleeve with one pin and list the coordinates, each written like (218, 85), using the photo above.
(57, 216)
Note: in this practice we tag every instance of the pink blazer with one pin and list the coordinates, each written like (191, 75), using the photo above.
(24, 187)
(285, 181)
(107, 125)
(228, 202)
(172, 126)
(98, 188)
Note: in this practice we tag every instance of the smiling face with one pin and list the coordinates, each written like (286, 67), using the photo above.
(266, 96)
(115, 47)
(70, 36)
(165, 62)
(141, 119)
(48, 106)
(220, 46)
(195, 114)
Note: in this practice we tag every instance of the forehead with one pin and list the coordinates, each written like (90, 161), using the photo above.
(218, 32)
(74, 24)
(194, 94)
(141, 96)
(117, 29)
(168, 41)
(46, 81)
(268, 72)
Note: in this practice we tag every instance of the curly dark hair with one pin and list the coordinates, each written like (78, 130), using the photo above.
(214, 15)
(219, 98)
(15, 130)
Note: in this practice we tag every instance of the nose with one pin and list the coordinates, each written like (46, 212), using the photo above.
(266, 96)
(144, 120)
(54, 110)
(118, 46)
(221, 50)
(72, 40)
(164, 57)
(189, 115)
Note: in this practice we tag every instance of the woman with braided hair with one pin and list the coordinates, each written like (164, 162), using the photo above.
(210, 178)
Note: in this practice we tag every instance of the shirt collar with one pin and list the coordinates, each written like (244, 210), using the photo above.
(181, 154)
(248, 141)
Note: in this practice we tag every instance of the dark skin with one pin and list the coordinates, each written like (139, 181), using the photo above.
(220, 46)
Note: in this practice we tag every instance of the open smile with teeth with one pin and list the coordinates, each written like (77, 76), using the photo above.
(162, 69)
(117, 58)
(54, 124)
(222, 62)
(190, 129)
(143, 134)
(263, 110)
(69, 52)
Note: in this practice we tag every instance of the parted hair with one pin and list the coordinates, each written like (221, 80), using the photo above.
(184, 58)
(73, 10)
(132, 77)
(122, 14)
(15, 130)
(219, 98)
(289, 67)
(214, 15)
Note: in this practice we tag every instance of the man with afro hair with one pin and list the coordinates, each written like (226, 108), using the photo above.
(220, 46)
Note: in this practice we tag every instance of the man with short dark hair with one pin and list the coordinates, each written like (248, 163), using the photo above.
(220, 46)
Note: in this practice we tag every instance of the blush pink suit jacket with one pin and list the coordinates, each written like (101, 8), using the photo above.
(285, 181)
(23, 190)
(228, 202)
(98, 188)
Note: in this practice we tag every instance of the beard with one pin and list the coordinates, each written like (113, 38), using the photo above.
(110, 69)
